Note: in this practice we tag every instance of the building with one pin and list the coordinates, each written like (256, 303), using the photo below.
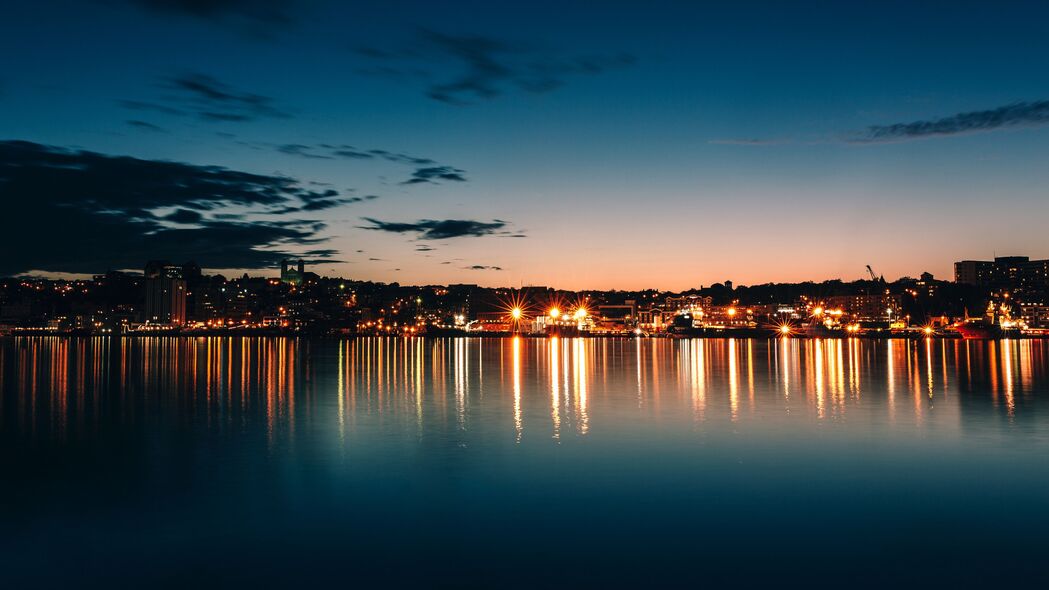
(292, 276)
(165, 293)
(874, 307)
(1018, 273)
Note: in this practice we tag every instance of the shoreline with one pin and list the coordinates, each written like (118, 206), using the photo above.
(717, 335)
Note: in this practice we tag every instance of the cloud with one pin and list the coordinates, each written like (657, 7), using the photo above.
(435, 174)
(329, 151)
(482, 267)
(119, 211)
(298, 149)
(208, 99)
(216, 101)
(487, 67)
(748, 141)
(184, 216)
(427, 171)
(140, 105)
(1020, 114)
(432, 229)
(263, 12)
(145, 125)
(325, 200)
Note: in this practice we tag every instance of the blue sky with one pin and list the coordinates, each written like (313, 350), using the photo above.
(662, 144)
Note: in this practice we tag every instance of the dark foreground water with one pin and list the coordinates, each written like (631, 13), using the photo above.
(462, 462)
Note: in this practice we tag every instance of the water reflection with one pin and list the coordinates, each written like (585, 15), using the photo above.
(55, 388)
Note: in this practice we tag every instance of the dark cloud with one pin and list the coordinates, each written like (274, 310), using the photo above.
(325, 200)
(184, 216)
(482, 267)
(432, 229)
(487, 66)
(105, 209)
(208, 99)
(298, 149)
(1020, 114)
(435, 174)
(139, 105)
(216, 101)
(423, 248)
(748, 141)
(267, 12)
(145, 125)
(427, 171)
(328, 151)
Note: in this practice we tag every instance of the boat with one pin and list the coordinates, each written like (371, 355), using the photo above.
(990, 326)
(979, 329)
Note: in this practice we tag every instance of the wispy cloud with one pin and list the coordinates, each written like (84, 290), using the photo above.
(427, 170)
(217, 101)
(1020, 114)
(748, 141)
(487, 66)
(146, 126)
(435, 174)
(482, 267)
(208, 99)
(443, 229)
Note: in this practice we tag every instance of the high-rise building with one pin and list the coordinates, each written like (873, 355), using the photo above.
(165, 293)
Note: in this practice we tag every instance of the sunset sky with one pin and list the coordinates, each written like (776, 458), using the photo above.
(571, 144)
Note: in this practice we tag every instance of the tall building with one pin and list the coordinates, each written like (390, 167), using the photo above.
(1010, 272)
(165, 293)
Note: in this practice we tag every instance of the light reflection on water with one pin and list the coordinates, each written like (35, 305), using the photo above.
(54, 386)
(294, 457)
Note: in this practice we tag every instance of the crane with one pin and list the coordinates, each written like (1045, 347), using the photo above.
(874, 277)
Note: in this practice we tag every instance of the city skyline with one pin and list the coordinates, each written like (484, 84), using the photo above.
(670, 147)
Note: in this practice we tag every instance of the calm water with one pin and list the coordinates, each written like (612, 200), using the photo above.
(577, 462)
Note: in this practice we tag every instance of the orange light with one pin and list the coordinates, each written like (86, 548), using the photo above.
(516, 313)
(555, 313)
(784, 330)
(928, 330)
(731, 311)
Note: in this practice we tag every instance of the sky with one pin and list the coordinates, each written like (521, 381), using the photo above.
(579, 145)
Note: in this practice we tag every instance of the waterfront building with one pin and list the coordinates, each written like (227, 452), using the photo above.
(1018, 273)
(165, 293)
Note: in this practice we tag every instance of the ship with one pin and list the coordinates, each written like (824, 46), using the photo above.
(979, 329)
(988, 327)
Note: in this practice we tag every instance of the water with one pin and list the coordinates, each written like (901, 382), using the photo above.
(499, 462)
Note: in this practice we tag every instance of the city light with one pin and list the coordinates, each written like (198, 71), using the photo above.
(555, 313)
(515, 313)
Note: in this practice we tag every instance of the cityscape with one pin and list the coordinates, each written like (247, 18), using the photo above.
(547, 294)
(1003, 297)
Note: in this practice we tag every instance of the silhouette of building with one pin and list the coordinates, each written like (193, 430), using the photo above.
(292, 276)
(165, 293)
(1010, 272)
